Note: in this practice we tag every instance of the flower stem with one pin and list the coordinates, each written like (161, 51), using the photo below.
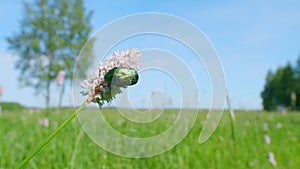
(68, 120)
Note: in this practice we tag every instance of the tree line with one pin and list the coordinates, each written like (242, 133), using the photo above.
(282, 88)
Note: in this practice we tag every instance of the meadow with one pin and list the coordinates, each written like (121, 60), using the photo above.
(21, 130)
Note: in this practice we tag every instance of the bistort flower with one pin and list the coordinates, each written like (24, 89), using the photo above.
(116, 72)
(272, 159)
(267, 139)
(60, 78)
(44, 122)
(1, 90)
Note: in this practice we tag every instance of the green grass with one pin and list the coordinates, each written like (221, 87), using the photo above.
(12, 106)
(20, 133)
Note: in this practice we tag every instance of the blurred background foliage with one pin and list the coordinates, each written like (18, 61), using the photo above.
(51, 35)
(282, 88)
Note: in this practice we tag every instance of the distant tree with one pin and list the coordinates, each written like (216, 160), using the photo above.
(51, 35)
(279, 89)
(297, 83)
(268, 93)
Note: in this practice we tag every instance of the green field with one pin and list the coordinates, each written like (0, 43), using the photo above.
(20, 132)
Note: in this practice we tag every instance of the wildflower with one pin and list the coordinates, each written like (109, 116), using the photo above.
(60, 78)
(116, 72)
(1, 90)
(265, 127)
(272, 159)
(44, 122)
(267, 139)
(278, 126)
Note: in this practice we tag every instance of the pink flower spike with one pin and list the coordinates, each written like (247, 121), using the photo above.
(60, 77)
(44, 122)
(265, 126)
(267, 139)
(278, 126)
(272, 159)
(1, 90)
(95, 83)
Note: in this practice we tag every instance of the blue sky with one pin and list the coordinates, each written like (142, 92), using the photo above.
(250, 37)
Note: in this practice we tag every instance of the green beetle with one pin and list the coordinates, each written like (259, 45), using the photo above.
(115, 79)
(121, 77)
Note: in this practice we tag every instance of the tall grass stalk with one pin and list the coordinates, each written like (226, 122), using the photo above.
(232, 117)
(72, 162)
